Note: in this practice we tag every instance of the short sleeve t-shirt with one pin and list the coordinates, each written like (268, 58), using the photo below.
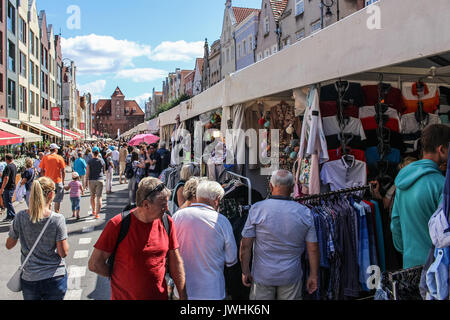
(281, 229)
(44, 263)
(139, 266)
(342, 175)
(75, 189)
(30, 175)
(96, 166)
(80, 166)
(53, 164)
(11, 172)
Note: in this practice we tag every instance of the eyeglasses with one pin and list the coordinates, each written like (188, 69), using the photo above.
(159, 188)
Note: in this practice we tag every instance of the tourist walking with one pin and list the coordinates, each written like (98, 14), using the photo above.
(80, 166)
(149, 244)
(115, 158)
(8, 187)
(123, 154)
(277, 231)
(28, 177)
(207, 243)
(54, 167)
(76, 191)
(419, 189)
(95, 173)
(109, 169)
(44, 275)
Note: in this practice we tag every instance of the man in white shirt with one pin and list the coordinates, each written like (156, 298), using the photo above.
(115, 159)
(207, 243)
(37, 162)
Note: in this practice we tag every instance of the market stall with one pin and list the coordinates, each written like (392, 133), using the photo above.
(357, 110)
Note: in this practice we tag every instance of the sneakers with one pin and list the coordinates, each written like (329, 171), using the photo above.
(8, 219)
(97, 216)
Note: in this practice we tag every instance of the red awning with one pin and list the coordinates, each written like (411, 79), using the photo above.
(7, 138)
(66, 132)
(74, 133)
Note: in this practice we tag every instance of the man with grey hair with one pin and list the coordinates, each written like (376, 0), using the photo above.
(278, 230)
(207, 243)
(140, 259)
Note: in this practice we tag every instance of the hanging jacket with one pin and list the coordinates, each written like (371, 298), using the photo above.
(419, 192)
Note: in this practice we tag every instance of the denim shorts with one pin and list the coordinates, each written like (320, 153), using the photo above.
(48, 289)
(75, 203)
(59, 193)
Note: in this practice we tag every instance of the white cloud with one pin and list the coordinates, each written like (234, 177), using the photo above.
(177, 51)
(93, 88)
(142, 99)
(95, 54)
(142, 74)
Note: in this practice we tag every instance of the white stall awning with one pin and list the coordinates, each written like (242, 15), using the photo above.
(27, 136)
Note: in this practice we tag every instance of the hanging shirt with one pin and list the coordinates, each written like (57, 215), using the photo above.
(430, 99)
(393, 139)
(444, 108)
(329, 109)
(370, 111)
(352, 92)
(313, 138)
(412, 129)
(363, 247)
(340, 174)
(393, 97)
(336, 154)
(370, 123)
(353, 126)
(373, 156)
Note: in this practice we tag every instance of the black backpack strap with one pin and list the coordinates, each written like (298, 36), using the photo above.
(124, 226)
(166, 223)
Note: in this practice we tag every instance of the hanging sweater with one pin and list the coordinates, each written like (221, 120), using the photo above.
(419, 193)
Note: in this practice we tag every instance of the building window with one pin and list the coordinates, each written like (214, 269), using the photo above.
(23, 65)
(32, 42)
(11, 56)
(32, 112)
(259, 56)
(11, 94)
(37, 76)
(36, 48)
(23, 99)
(274, 49)
(300, 35)
(22, 30)
(1, 82)
(299, 7)
(250, 43)
(266, 25)
(1, 47)
(239, 51)
(369, 2)
(266, 53)
(244, 47)
(315, 26)
(11, 18)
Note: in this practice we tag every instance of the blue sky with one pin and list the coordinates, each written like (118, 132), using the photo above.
(134, 43)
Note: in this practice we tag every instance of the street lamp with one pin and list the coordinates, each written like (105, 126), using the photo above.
(62, 98)
(328, 14)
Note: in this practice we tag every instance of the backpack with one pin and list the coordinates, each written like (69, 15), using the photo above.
(129, 172)
(124, 227)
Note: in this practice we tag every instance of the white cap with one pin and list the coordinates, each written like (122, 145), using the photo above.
(54, 146)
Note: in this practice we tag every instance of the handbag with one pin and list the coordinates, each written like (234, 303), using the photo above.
(14, 284)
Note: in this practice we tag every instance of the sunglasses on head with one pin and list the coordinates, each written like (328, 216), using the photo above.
(159, 188)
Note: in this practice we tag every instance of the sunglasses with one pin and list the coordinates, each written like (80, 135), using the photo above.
(159, 188)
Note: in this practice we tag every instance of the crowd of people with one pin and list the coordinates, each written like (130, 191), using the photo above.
(183, 250)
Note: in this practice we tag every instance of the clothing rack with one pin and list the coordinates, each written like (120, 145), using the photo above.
(332, 193)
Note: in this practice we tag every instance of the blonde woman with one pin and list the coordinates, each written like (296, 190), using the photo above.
(44, 276)
(187, 171)
(190, 191)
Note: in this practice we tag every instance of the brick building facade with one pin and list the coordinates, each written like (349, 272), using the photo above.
(116, 113)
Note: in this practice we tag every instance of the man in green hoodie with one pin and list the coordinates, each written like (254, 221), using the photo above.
(419, 192)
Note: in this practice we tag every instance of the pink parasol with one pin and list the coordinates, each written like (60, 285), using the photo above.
(141, 138)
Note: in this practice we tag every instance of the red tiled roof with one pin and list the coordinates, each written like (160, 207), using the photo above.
(132, 103)
(103, 105)
(278, 7)
(241, 13)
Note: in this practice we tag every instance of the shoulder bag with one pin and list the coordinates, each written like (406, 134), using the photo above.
(14, 284)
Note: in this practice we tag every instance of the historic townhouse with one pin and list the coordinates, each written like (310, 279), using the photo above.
(3, 106)
(34, 88)
(44, 64)
(12, 63)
